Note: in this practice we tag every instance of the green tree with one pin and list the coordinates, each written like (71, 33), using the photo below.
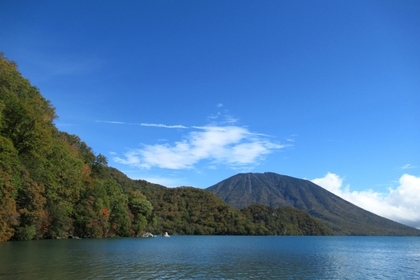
(141, 209)
(9, 185)
(33, 220)
(27, 117)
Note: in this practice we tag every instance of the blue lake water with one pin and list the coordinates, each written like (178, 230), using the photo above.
(213, 257)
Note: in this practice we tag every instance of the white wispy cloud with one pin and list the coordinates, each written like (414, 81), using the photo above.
(408, 166)
(163, 125)
(401, 204)
(231, 146)
(111, 122)
(291, 138)
(145, 124)
(222, 117)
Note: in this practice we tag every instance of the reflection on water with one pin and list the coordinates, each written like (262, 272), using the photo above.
(213, 257)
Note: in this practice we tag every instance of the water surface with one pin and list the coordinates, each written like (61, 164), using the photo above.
(213, 257)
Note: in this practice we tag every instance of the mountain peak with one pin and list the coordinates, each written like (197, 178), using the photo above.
(274, 190)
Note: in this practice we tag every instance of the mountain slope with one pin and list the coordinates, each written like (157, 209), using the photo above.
(285, 220)
(188, 210)
(276, 190)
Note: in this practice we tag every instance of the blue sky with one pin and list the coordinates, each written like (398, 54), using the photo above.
(193, 92)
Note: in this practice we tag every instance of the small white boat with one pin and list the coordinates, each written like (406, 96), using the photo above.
(166, 234)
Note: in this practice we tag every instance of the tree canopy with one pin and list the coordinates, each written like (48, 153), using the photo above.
(52, 185)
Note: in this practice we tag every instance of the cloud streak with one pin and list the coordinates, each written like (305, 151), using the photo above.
(231, 146)
(145, 124)
(401, 204)
(163, 125)
(408, 166)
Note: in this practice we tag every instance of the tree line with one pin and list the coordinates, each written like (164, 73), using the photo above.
(52, 185)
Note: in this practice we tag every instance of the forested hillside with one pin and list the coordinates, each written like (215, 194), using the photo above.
(52, 185)
(188, 210)
(285, 221)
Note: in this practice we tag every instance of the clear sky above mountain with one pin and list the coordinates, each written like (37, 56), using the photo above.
(193, 92)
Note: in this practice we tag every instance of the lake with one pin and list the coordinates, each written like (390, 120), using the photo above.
(214, 257)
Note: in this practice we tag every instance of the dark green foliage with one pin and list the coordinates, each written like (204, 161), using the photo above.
(188, 210)
(51, 183)
(285, 221)
(26, 117)
(31, 203)
(141, 209)
(9, 186)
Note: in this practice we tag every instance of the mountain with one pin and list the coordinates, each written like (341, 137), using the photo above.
(188, 210)
(53, 186)
(274, 190)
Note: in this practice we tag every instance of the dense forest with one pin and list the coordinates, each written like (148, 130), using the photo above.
(285, 221)
(189, 210)
(52, 185)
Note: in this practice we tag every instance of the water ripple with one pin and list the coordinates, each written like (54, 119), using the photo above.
(213, 257)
